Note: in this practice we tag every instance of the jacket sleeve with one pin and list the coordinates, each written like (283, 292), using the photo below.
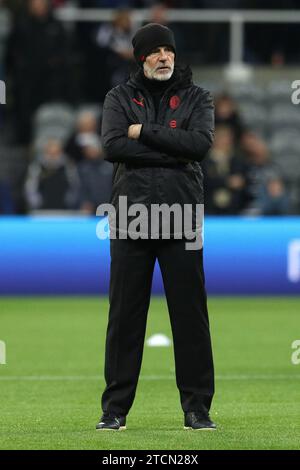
(116, 143)
(192, 143)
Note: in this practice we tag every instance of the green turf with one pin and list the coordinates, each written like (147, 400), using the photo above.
(51, 386)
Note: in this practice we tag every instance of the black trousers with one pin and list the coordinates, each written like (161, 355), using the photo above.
(132, 265)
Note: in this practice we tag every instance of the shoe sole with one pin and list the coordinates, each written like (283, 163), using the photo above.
(199, 429)
(121, 428)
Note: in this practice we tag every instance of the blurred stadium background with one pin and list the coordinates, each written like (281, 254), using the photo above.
(58, 59)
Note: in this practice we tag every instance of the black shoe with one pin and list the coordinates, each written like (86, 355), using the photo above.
(199, 421)
(111, 422)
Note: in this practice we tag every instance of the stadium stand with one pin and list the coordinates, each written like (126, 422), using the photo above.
(262, 104)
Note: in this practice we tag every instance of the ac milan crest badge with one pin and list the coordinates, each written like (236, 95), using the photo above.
(174, 102)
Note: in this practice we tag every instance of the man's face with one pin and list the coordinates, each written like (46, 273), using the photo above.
(39, 8)
(159, 65)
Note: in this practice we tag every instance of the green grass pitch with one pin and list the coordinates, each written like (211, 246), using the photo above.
(53, 378)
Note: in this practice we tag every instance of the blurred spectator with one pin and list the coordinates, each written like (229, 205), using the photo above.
(207, 43)
(159, 14)
(224, 176)
(95, 175)
(273, 43)
(226, 114)
(52, 181)
(37, 59)
(115, 41)
(87, 130)
(6, 200)
(273, 199)
(263, 175)
(5, 27)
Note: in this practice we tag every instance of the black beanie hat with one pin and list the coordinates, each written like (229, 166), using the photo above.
(150, 36)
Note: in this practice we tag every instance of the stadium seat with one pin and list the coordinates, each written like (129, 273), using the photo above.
(52, 121)
(216, 88)
(279, 90)
(54, 114)
(285, 141)
(294, 193)
(289, 165)
(254, 115)
(283, 115)
(46, 133)
(247, 92)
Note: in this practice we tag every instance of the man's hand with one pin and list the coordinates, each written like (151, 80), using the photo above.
(134, 131)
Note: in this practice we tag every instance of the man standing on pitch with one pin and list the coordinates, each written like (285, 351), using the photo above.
(156, 129)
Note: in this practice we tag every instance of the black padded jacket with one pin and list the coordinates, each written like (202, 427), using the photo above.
(163, 165)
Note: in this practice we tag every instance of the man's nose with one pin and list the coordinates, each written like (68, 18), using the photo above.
(163, 56)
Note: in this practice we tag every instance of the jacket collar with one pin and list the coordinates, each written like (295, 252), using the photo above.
(183, 78)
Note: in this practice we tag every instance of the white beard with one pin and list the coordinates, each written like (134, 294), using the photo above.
(154, 74)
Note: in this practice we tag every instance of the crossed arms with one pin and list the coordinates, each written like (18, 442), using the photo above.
(156, 143)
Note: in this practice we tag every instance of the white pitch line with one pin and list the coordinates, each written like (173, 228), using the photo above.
(74, 378)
